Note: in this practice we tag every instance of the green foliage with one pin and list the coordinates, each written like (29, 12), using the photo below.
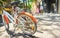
(1, 3)
(4, 0)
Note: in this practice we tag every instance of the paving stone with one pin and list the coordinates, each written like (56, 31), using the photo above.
(45, 34)
(56, 33)
(5, 35)
(2, 28)
(47, 22)
(54, 23)
(46, 18)
(55, 27)
(44, 28)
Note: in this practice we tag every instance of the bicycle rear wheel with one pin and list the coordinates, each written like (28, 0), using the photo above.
(28, 23)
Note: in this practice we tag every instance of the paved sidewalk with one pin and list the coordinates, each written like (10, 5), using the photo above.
(48, 26)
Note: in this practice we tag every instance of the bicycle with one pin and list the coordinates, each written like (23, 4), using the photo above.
(24, 21)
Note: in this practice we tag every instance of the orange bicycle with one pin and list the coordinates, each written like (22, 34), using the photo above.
(22, 20)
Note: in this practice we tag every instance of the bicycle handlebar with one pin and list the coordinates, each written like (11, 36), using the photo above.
(15, 3)
(12, 4)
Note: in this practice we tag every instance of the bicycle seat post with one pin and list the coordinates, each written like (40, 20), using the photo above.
(13, 8)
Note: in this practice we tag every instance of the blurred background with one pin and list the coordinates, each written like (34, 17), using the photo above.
(38, 6)
(33, 6)
(47, 12)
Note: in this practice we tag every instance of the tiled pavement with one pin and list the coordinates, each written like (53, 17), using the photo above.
(49, 24)
(48, 27)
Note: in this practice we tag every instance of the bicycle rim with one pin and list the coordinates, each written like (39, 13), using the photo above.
(29, 26)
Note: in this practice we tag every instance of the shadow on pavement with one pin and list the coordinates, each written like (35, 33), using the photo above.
(20, 34)
(24, 35)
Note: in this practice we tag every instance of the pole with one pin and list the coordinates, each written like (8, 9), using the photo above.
(58, 6)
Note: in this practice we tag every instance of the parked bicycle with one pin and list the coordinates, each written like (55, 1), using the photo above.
(22, 20)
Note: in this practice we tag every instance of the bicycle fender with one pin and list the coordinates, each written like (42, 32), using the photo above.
(6, 19)
(25, 13)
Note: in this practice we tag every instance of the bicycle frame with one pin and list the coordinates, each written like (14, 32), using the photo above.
(7, 17)
(18, 20)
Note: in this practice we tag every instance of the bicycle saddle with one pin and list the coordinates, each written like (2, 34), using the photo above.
(11, 4)
(15, 3)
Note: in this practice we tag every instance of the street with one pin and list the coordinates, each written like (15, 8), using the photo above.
(48, 26)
